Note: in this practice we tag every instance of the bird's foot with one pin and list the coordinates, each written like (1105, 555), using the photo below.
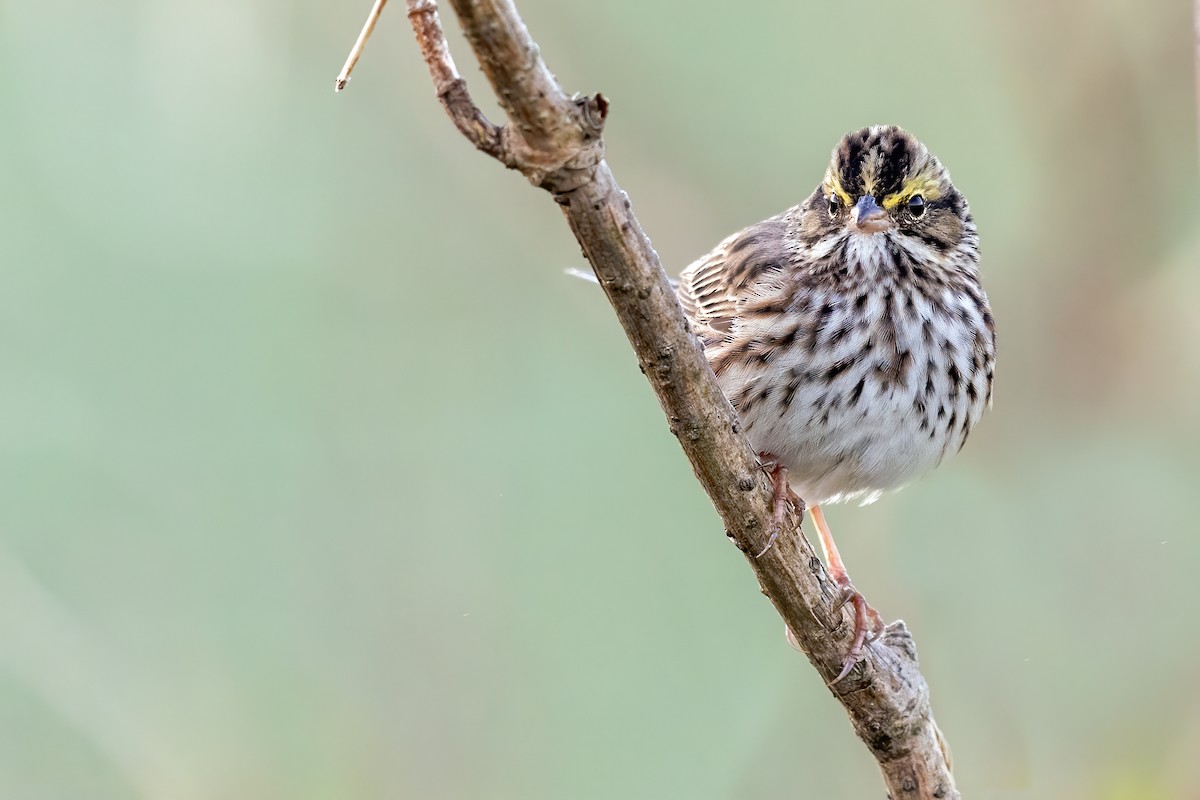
(781, 494)
(868, 625)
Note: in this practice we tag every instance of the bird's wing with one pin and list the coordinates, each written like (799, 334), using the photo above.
(714, 288)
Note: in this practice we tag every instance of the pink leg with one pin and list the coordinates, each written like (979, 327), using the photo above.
(864, 615)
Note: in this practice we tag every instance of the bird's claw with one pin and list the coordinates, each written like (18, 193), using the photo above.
(770, 541)
(781, 494)
(868, 625)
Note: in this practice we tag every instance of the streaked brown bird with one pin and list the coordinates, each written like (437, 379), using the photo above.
(852, 334)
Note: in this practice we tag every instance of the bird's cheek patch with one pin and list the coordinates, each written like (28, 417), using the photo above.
(813, 227)
(947, 227)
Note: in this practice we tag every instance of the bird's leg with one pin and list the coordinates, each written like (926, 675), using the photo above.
(782, 492)
(864, 615)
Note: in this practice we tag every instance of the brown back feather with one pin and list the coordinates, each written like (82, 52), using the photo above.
(714, 288)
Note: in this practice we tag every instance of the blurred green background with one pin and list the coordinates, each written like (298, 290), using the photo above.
(319, 479)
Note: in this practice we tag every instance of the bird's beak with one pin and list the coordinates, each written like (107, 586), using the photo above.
(868, 216)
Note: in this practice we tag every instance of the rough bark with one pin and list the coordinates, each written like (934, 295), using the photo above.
(554, 140)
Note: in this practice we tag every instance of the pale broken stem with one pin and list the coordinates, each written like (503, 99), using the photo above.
(554, 140)
(344, 76)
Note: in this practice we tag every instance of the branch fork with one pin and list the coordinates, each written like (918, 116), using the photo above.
(551, 149)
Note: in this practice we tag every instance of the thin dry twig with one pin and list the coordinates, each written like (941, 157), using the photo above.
(450, 87)
(344, 76)
(554, 140)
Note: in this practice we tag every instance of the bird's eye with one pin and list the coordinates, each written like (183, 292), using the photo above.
(834, 204)
(916, 205)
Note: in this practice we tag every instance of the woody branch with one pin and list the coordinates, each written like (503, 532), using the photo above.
(555, 141)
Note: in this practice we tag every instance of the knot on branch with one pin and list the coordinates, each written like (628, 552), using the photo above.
(593, 110)
(564, 162)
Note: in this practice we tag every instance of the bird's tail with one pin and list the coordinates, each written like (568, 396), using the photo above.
(590, 277)
(583, 274)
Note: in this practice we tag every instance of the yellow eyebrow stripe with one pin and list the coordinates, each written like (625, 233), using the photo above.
(924, 186)
(836, 187)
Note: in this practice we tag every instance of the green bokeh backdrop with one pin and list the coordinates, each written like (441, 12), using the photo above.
(318, 479)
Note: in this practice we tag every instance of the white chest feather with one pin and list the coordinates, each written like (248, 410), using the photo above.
(876, 388)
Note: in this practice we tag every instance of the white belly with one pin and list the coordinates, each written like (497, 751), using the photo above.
(855, 416)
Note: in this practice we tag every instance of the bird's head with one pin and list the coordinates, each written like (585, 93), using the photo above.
(881, 180)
